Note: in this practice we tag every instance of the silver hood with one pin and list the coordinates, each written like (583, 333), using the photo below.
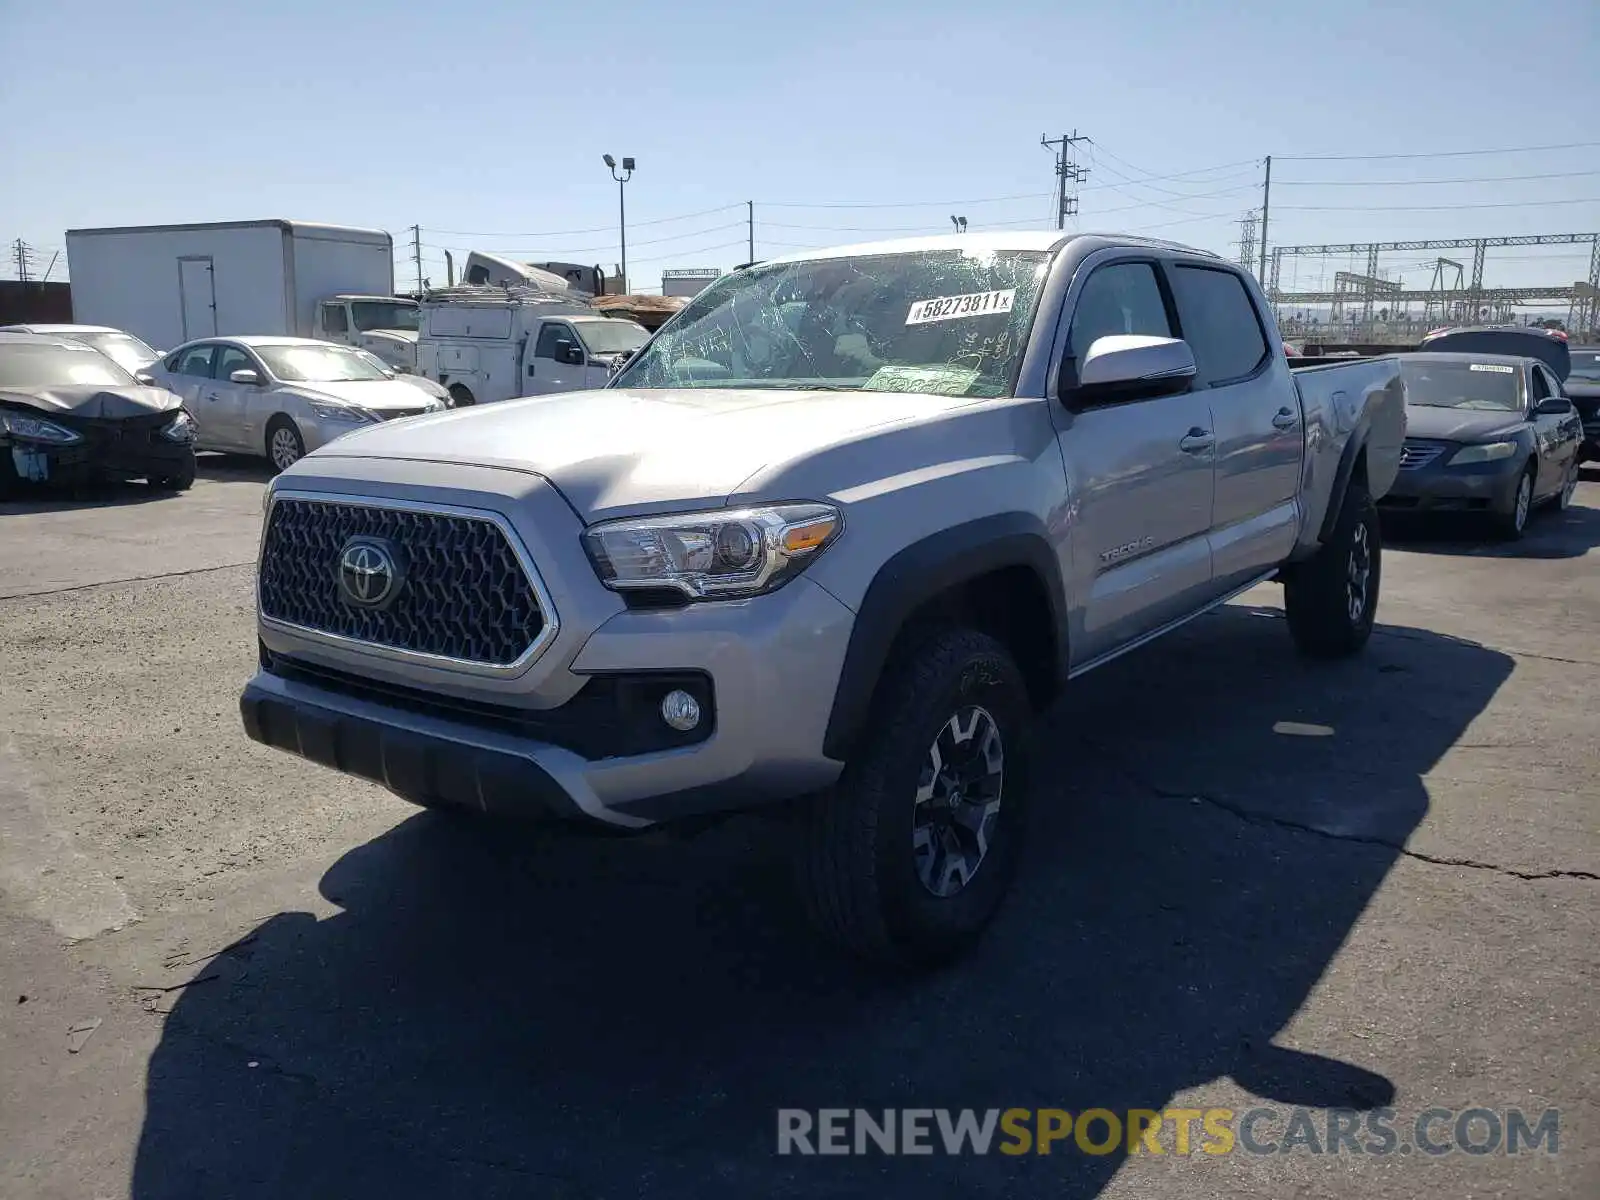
(374, 394)
(93, 401)
(616, 448)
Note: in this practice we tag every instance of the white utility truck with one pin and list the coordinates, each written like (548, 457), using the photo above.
(169, 284)
(497, 343)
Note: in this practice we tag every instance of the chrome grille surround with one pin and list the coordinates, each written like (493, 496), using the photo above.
(1415, 455)
(297, 591)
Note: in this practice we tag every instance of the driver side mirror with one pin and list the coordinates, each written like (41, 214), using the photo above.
(1130, 366)
(246, 376)
(1553, 406)
(568, 353)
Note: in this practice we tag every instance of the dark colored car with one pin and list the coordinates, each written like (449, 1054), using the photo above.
(1583, 389)
(1485, 433)
(69, 414)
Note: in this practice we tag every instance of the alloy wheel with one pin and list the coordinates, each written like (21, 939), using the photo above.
(958, 801)
(1358, 573)
(285, 448)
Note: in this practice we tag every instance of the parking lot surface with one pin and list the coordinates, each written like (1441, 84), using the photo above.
(1252, 882)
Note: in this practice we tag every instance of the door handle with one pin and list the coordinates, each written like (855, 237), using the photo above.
(1196, 441)
(1286, 419)
(213, 396)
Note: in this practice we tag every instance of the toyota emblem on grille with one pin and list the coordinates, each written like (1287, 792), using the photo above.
(369, 572)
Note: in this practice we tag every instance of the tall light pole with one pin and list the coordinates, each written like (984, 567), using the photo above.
(622, 176)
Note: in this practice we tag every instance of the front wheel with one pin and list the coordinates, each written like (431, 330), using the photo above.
(285, 446)
(907, 858)
(1568, 489)
(180, 480)
(1331, 599)
(1513, 522)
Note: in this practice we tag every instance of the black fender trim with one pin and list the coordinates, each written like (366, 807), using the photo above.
(917, 574)
(1353, 450)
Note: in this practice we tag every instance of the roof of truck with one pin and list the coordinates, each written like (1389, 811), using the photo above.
(35, 327)
(372, 235)
(262, 339)
(1009, 240)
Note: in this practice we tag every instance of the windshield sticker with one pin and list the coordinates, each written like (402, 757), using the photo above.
(934, 380)
(953, 308)
(1497, 368)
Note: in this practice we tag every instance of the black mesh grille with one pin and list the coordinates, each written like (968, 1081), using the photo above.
(463, 595)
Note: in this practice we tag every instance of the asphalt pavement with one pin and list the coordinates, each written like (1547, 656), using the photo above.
(1252, 883)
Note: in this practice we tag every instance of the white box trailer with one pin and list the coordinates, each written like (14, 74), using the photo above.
(169, 284)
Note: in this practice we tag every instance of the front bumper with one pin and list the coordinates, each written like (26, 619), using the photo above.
(110, 451)
(1438, 487)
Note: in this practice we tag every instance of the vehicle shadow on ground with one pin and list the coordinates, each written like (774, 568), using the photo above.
(1549, 534)
(232, 467)
(497, 1014)
(48, 498)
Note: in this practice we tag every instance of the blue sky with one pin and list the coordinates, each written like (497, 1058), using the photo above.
(484, 122)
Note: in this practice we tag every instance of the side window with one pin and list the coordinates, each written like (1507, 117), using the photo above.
(1219, 323)
(196, 360)
(231, 359)
(1123, 297)
(549, 334)
(334, 319)
(1541, 389)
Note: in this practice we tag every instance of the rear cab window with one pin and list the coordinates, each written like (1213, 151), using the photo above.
(1220, 323)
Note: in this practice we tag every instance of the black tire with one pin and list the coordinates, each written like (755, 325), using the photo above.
(461, 397)
(180, 480)
(858, 869)
(10, 481)
(282, 427)
(1512, 523)
(1320, 594)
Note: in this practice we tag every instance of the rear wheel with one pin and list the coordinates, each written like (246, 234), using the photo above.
(461, 397)
(905, 861)
(285, 446)
(1331, 599)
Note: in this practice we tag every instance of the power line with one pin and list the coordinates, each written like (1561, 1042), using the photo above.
(551, 233)
(1434, 207)
(1434, 153)
(1430, 182)
(912, 203)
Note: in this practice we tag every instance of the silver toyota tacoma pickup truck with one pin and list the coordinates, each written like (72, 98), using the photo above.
(828, 538)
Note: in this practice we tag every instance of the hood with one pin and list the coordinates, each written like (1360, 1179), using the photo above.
(405, 337)
(617, 448)
(376, 394)
(93, 401)
(1459, 424)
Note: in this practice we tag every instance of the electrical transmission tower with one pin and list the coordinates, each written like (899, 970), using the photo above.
(1068, 173)
(22, 255)
(1247, 240)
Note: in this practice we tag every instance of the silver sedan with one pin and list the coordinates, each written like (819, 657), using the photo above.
(281, 397)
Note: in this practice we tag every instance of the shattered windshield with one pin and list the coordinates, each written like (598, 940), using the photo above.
(953, 322)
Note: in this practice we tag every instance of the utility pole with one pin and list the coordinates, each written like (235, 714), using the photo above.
(22, 253)
(750, 211)
(416, 254)
(1068, 172)
(1266, 206)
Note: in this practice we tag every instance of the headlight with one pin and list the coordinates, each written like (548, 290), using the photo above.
(180, 429)
(1487, 452)
(329, 411)
(36, 429)
(713, 555)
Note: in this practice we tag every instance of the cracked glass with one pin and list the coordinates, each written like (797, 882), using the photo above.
(951, 322)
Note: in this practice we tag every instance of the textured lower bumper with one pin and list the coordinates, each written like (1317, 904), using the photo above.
(416, 764)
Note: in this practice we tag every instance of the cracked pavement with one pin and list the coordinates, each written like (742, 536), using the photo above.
(1250, 882)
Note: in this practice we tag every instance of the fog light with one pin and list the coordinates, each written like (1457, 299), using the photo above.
(680, 710)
